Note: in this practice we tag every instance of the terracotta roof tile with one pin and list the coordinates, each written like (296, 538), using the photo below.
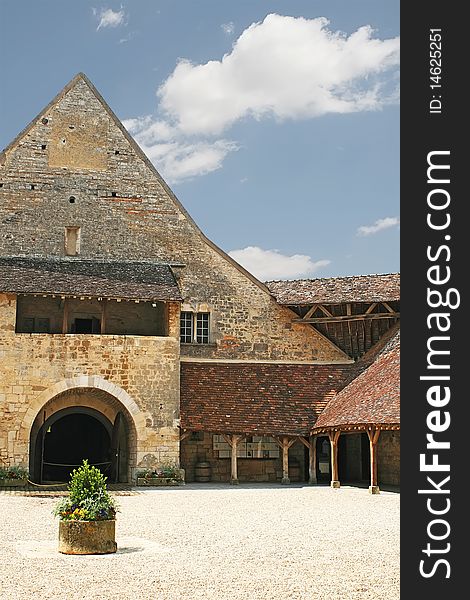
(257, 398)
(373, 397)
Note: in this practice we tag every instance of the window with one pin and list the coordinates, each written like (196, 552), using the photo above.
(186, 327)
(72, 241)
(202, 328)
(194, 327)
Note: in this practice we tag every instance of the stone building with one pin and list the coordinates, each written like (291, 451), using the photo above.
(128, 337)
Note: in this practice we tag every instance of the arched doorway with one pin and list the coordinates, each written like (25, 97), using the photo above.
(77, 424)
(69, 436)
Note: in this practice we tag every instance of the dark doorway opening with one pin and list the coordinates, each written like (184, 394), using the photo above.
(69, 440)
(354, 458)
(68, 437)
(323, 459)
(92, 325)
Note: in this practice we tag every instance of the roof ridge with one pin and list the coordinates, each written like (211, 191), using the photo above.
(330, 278)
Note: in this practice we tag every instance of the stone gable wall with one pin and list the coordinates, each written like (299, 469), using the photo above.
(76, 151)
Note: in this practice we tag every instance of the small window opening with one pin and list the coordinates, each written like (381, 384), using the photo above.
(71, 126)
(72, 241)
(43, 146)
(72, 199)
(86, 325)
(202, 328)
(32, 186)
(114, 194)
(1, 185)
(116, 152)
(44, 121)
(194, 327)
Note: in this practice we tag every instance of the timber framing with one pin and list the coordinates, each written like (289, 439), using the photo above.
(354, 327)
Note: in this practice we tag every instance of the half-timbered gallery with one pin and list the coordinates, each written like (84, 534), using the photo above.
(129, 338)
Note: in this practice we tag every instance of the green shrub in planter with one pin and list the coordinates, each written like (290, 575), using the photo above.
(167, 474)
(13, 476)
(88, 498)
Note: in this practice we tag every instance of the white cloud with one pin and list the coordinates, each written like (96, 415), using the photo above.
(271, 264)
(176, 158)
(283, 67)
(379, 225)
(109, 17)
(228, 28)
(286, 67)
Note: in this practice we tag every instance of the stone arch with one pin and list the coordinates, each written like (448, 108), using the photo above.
(82, 381)
(78, 394)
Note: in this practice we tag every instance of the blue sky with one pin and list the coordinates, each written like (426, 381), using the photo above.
(277, 130)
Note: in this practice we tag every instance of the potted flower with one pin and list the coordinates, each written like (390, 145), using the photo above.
(13, 477)
(87, 516)
(165, 475)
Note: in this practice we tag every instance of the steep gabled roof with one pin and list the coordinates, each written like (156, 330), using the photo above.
(81, 77)
(72, 277)
(337, 290)
(373, 397)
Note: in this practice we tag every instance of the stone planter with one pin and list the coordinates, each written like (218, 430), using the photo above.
(157, 481)
(87, 537)
(13, 482)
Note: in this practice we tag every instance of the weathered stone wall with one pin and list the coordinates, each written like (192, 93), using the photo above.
(249, 469)
(76, 167)
(36, 367)
(388, 464)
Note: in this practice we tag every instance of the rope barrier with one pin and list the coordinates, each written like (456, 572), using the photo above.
(49, 485)
(67, 465)
(46, 485)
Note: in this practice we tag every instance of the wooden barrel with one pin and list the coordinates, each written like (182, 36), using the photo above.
(202, 472)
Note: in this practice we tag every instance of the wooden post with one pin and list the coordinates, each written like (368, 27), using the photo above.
(234, 471)
(312, 460)
(232, 441)
(334, 436)
(104, 306)
(373, 439)
(285, 460)
(65, 316)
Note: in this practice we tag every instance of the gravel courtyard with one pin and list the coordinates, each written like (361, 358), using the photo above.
(210, 541)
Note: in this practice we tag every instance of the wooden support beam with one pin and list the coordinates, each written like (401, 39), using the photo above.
(312, 460)
(324, 310)
(65, 316)
(184, 435)
(104, 307)
(364, 316)
(285, 460)
(388, 307)
(233, 441)
(284, 444)
(310, 312)
(371, 308)
(373, 441)
(334, 436)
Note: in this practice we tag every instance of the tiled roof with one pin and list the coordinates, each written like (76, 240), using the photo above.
(337, 290)
(373, 397)
(107, 279)
(257, 398)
